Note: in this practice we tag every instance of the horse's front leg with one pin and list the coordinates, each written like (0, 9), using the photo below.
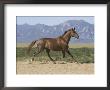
(71, 55)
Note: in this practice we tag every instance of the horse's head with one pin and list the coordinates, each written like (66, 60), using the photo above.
(73, 33)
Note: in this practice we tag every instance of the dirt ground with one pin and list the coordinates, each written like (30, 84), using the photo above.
(24, 67)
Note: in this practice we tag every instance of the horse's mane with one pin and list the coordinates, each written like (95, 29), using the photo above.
(64, 33)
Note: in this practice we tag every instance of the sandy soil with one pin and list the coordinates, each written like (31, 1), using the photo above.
(37, 67)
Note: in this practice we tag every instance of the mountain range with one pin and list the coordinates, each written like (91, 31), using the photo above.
(27, 33)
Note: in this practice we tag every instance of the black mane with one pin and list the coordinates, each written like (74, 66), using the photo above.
(64, 33)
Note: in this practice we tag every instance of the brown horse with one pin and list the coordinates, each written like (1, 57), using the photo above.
(55, 44)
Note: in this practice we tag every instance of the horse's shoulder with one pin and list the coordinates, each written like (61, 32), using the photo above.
(61, 40)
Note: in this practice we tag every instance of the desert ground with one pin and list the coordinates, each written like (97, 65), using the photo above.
(37, 67)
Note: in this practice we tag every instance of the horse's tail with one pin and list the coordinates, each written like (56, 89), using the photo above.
(30, 46)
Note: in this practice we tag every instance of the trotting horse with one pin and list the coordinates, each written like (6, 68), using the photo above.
(55, 44)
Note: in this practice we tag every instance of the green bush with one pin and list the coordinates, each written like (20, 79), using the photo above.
(82, 55)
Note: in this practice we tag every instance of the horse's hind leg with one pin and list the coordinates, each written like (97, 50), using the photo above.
(47, 50)
(40, 49)
(63, 52)
(34, 54)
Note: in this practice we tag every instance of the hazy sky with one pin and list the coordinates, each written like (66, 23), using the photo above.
(51, 20)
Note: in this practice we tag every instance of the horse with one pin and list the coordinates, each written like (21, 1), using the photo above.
(55, 44)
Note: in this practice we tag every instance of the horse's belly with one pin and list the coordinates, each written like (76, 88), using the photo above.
(55, 47)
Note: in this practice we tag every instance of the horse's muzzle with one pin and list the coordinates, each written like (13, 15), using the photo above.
(76, 36)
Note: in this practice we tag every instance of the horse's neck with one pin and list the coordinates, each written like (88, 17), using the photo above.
(67, 37)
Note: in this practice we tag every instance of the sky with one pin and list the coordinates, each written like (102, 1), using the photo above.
(51, 20)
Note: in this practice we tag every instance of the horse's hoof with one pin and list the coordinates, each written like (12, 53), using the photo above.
(54, 63)
(77, 62)
(32, 59)
(70, 61)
